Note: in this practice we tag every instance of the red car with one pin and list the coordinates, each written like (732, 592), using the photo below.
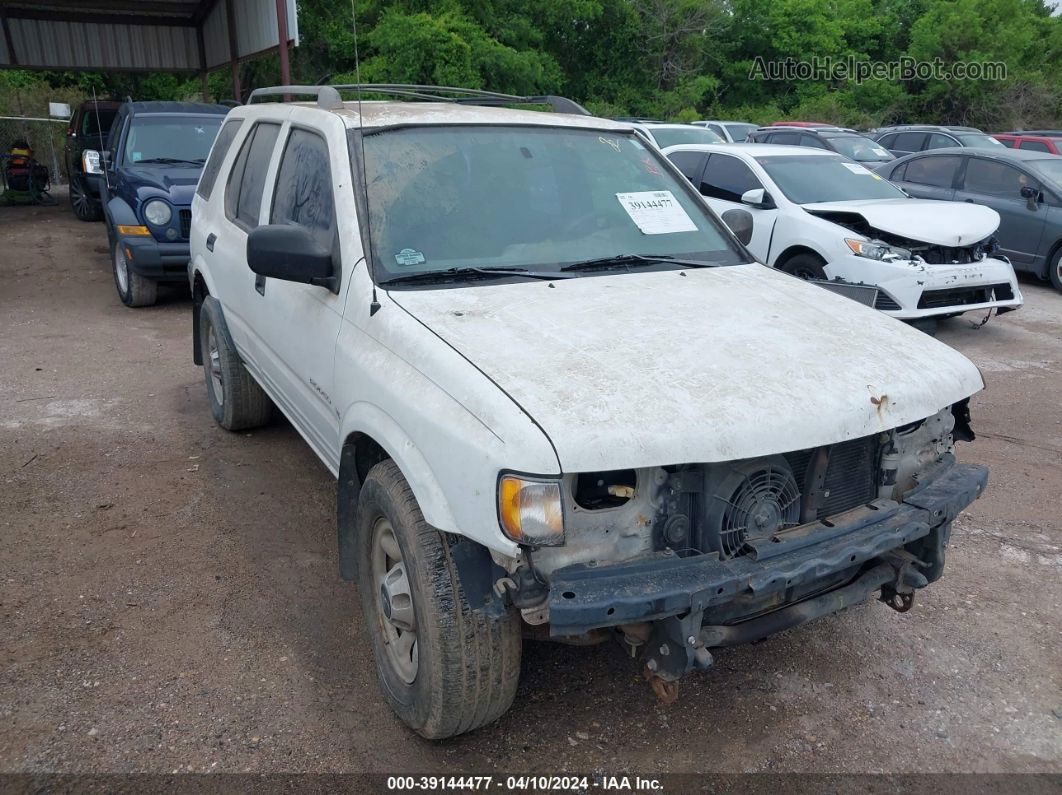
(1037, 143)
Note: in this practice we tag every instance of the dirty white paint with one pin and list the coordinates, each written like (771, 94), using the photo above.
(649, 369)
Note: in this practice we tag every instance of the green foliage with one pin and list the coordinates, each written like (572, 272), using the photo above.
(676, 59)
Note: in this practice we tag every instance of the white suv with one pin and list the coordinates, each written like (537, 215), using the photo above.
(818, 215)
(560, 399)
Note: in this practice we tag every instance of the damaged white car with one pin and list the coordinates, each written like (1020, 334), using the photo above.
(561, 400)
(819, 216)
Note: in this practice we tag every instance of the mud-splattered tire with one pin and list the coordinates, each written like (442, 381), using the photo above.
(465, 665)
(1054, 270)
(236, 400)
(804, 266)
(133, 289)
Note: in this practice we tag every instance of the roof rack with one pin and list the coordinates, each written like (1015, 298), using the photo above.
(328, 96)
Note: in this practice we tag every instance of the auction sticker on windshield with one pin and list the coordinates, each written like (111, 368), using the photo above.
(656, 212)
(855, 168)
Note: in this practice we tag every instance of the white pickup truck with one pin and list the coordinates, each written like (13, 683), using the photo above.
(560, 398)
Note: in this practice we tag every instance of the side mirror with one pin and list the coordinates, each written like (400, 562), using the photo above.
(291, 253)
(1031, 195)
(758, 198)
(740, 223)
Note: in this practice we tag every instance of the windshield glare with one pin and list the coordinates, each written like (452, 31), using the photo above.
(526, 197)
(860, 149)
(171, 138)
(805, 180)
(978, 141)
(669, 136)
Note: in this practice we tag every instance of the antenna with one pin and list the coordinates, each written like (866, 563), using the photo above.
(99, 129)
(374, 307)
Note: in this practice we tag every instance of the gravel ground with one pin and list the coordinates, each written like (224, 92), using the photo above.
(169, 598)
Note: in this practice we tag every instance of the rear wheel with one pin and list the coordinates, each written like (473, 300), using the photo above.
(805, 266)
(444, 668)
(85, 207)
(1055, 270)
(236, 400)
(133, 289)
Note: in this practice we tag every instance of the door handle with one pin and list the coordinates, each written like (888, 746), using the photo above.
(211, 238)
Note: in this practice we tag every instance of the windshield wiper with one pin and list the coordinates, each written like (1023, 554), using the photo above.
(482, 273)
(627, 260)
(168, 160)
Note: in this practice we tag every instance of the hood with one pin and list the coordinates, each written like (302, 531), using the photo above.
(177, 183)
(939, 223)
(715, 364)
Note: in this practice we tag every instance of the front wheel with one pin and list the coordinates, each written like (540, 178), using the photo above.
(805, 266)
(1055, 270)
(444, 668)
(134, 289)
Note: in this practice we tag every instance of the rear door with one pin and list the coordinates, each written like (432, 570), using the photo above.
(929, 177)
(724, 180)
(234, 215)
(998, 185)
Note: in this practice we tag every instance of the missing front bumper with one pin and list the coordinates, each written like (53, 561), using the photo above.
(663, 585)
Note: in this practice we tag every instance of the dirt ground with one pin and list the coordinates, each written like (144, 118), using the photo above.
(169, 598)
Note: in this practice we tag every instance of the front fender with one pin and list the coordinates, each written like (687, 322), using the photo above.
(374, 422)
(119, 213)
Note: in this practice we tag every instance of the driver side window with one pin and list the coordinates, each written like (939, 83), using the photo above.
(727, 178)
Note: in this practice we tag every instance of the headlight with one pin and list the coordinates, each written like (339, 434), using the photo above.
(90, 162)
(530, 511)
(878, 251)
(157, 212)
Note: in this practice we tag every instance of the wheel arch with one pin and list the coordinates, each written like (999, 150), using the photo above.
(795, 251)
(199, 293)
(371, 436)
(1049, 259)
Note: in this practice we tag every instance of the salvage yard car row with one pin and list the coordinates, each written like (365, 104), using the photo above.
(561, 395)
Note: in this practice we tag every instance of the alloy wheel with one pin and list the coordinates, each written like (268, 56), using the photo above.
(394, 601)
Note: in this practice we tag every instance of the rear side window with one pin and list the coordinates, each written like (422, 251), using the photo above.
(727, 178)
(217, 154)
(786, 138)
(909, 142)
(887, 140)
(243, 196)
(938, 172)
(303, 193)
(811, 140)
(1036, 146)
(1007, 142)
(938, 141)
(689, 163)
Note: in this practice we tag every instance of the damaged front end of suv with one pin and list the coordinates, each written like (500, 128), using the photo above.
(677, 561)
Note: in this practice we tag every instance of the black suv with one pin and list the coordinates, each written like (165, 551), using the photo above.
(155, 155)
(841, 140)
(906, 139)
(89, 128)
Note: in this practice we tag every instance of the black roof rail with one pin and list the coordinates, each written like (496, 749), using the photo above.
(328, 96)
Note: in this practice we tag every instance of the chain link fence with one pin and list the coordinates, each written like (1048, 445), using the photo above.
(24, 116)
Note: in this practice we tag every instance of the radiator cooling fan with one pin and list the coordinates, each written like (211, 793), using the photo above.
(746, 501)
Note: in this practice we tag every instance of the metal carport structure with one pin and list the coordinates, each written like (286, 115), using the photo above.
(145, 35)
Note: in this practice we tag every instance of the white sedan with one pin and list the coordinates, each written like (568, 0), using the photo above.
(819, 216)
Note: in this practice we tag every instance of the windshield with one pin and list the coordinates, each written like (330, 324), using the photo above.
(738, 131)
(1049, 168)
(669, 136)
(860, 149)
(978, 140)
(171, 138)
(527, 197)
(804, 180)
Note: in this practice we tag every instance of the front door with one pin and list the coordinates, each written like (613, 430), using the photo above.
(724, 180)
(999, 185)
